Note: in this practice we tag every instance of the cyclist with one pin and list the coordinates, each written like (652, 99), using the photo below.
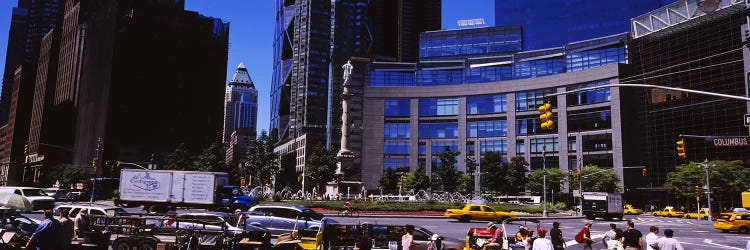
(347, 207)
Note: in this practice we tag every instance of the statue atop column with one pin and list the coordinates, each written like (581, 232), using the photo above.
(344, 152)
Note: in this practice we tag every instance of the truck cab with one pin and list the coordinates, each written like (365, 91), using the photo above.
(233, 198)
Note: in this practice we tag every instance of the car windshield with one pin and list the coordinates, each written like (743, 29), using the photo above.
(33, 192)
(725, 216)
(115, 211)
(312, 214)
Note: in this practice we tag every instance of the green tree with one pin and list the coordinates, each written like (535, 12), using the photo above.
(493, 173)
(466, 183)
(321, 166)
(261, 163)
(406, 182)
(211, 159)
(421, 180)
(180, 159)
(728, 176)
(389, 181)
(556, 178)
(446, 172)
(597, 179)
(515, 175)
(69, 174)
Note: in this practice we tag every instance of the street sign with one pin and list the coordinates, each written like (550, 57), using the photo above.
(732, 142)
(747, 120)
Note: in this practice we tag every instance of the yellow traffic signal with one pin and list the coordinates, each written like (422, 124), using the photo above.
(545, 116)
(26, 149)
(681, 149)
(93, 162)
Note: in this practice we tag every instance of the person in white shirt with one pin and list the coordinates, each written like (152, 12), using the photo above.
(669, 243)
(652, 237)
(541, 243)
(609, 235)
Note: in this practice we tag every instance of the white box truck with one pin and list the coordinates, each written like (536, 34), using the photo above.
(602, 205)
(161, 190)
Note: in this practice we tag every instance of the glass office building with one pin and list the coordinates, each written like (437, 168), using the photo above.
(570, 20)
(476, 91)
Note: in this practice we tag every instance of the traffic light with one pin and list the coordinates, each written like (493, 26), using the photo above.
(93, 162)
(578, 174)
(26, 149)
(644, 171)
(545, 116)
(697, 193)
(681, 149)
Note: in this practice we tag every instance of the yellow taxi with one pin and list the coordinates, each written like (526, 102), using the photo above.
(477, 212)
(629, 209)
(668, 212)
(739, 222)
(692, 215)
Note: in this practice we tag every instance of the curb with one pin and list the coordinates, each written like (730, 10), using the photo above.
(439, 216)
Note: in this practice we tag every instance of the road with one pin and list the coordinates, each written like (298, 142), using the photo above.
(691, 233)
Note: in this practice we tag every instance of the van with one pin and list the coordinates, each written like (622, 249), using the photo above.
(36, 196)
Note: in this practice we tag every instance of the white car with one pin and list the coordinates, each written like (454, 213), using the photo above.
(94, 209)
(212, 221)
(37, 197)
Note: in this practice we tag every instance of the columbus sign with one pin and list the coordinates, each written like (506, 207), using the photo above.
(732, 142)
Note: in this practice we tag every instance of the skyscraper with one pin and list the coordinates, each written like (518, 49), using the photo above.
(240, 105)
(309, 51)
(554, 23)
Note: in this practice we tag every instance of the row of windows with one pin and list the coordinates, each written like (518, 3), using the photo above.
(597, 57)
(531, 100)
(438, 130)
(396, 147)
(591, 96)
(535, 68)
(494, 128)
(486, 104)
(396, 130)
(470, 42)
(438, 106)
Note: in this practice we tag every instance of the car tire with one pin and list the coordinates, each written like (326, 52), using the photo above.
(147, 245)
(122, 245)
(669, 216)
(503, 219)
(687, 217)
(724, 231)
(465, 218)
(743, 230)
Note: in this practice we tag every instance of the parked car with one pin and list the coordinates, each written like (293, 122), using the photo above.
(78, 195)
(477, 212)
(668, 212)
(281, 219)
(60, 194)
(629, 209)
(93, 209)
(36, 196)
(739, 222)
(11, 219)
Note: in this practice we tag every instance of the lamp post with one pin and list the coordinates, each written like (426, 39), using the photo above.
(708, 189)
(544, 179)
(580, 186)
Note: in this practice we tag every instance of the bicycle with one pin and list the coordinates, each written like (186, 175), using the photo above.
(348, 213)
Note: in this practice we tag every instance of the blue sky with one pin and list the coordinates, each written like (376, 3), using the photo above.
(251, 34)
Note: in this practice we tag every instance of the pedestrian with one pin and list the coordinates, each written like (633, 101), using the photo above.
(667, 242)
(609, 234)
(436, 243)
(558, 242)
(81, 223)
(68, 229)
(407, 240)
(542, 243)
(497, 237)
(615, 243)
(633, 239)
(47, 234)
(652, 237)
(587, 235)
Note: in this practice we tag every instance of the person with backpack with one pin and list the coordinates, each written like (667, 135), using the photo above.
(633, 237)
(558, 243)
(584, 236)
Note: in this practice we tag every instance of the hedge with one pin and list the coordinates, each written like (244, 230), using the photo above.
(410, 206)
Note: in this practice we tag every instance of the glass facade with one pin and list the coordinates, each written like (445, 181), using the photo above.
(531, 100)
(500, 146)
(589, 120)
(398, 164)
(438, 106)
(591, 96)
(538, 145)
(493, 128)
(382, 78)
(438, 130)
(397, 107)
(396, 147)
(596, 57)
(396, 131)
(489, 74)
(465, 42)
(486, 104)
(439, 77)
(535, 68)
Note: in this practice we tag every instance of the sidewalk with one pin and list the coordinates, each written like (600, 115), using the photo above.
(435, 214)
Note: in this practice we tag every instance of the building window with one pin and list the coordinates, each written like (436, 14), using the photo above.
(499, 146)
(398, 164)
(489, 74)
(538, 162)
(600, 142)
(439, 77)
(532, 126)
(591, 96)
(397, 107)
(443, 146)
(586, 59)
(486, 104)
(599, 160)
(438, 130)
(531, 100)
(380, 78)
(535, 68)
(572, 147)
(520, 147)
(494, 128)
(590, 120)
(438, 106)
(538, 145)
(422, 148)
(396, 147)
(396, 130)
(470, 148)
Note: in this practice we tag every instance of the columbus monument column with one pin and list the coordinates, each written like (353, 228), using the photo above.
(345, 154)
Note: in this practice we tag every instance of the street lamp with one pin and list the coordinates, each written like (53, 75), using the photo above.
(708, 188)
(544, 179)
